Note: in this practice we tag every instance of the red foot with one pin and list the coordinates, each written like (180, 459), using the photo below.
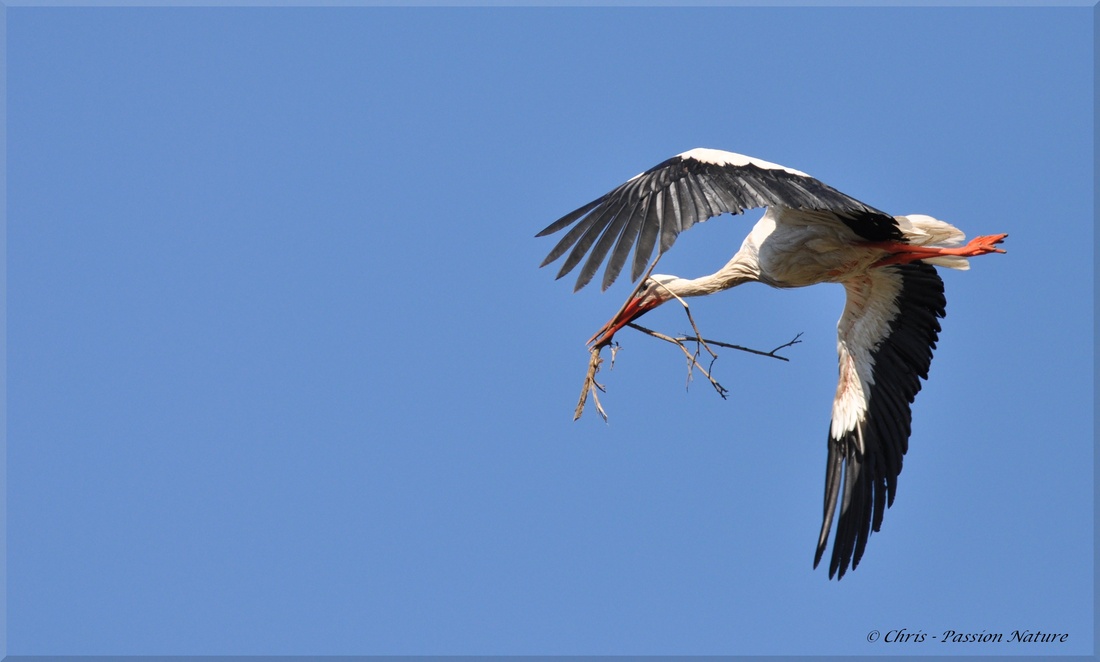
(981, 245)
(905, 253)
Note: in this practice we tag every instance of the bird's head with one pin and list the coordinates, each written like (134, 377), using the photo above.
(654, 291)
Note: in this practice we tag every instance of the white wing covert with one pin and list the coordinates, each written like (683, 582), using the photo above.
(885, 339)
(687, 189)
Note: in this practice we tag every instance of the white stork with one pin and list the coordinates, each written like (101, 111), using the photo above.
(810, 233)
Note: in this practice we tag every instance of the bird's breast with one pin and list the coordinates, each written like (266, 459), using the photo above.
(797, 256)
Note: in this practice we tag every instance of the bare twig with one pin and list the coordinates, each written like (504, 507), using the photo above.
(637, 288)
(773, 353)
(594, 360)
(591, 385)
(692, 357)
(687, 310)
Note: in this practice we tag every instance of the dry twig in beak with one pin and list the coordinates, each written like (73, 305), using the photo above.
(759, 352)
(591, 385)
(692, 357)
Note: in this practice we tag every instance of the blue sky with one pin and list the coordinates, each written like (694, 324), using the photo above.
(283, 377)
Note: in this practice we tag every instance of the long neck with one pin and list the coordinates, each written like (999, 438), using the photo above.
(741, 269)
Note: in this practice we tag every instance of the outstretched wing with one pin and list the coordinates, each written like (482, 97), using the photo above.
(885, 340)
(687, 189)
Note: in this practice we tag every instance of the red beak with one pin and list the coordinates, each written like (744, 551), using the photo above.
(632, 310)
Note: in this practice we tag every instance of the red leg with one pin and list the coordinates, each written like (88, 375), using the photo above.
(905, 253)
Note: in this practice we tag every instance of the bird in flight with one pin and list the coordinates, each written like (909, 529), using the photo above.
(810, 233)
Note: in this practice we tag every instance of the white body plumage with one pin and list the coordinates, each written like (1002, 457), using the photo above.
(811, 233)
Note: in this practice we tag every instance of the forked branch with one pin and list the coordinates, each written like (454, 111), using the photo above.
(759, 352)
(593, 388)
